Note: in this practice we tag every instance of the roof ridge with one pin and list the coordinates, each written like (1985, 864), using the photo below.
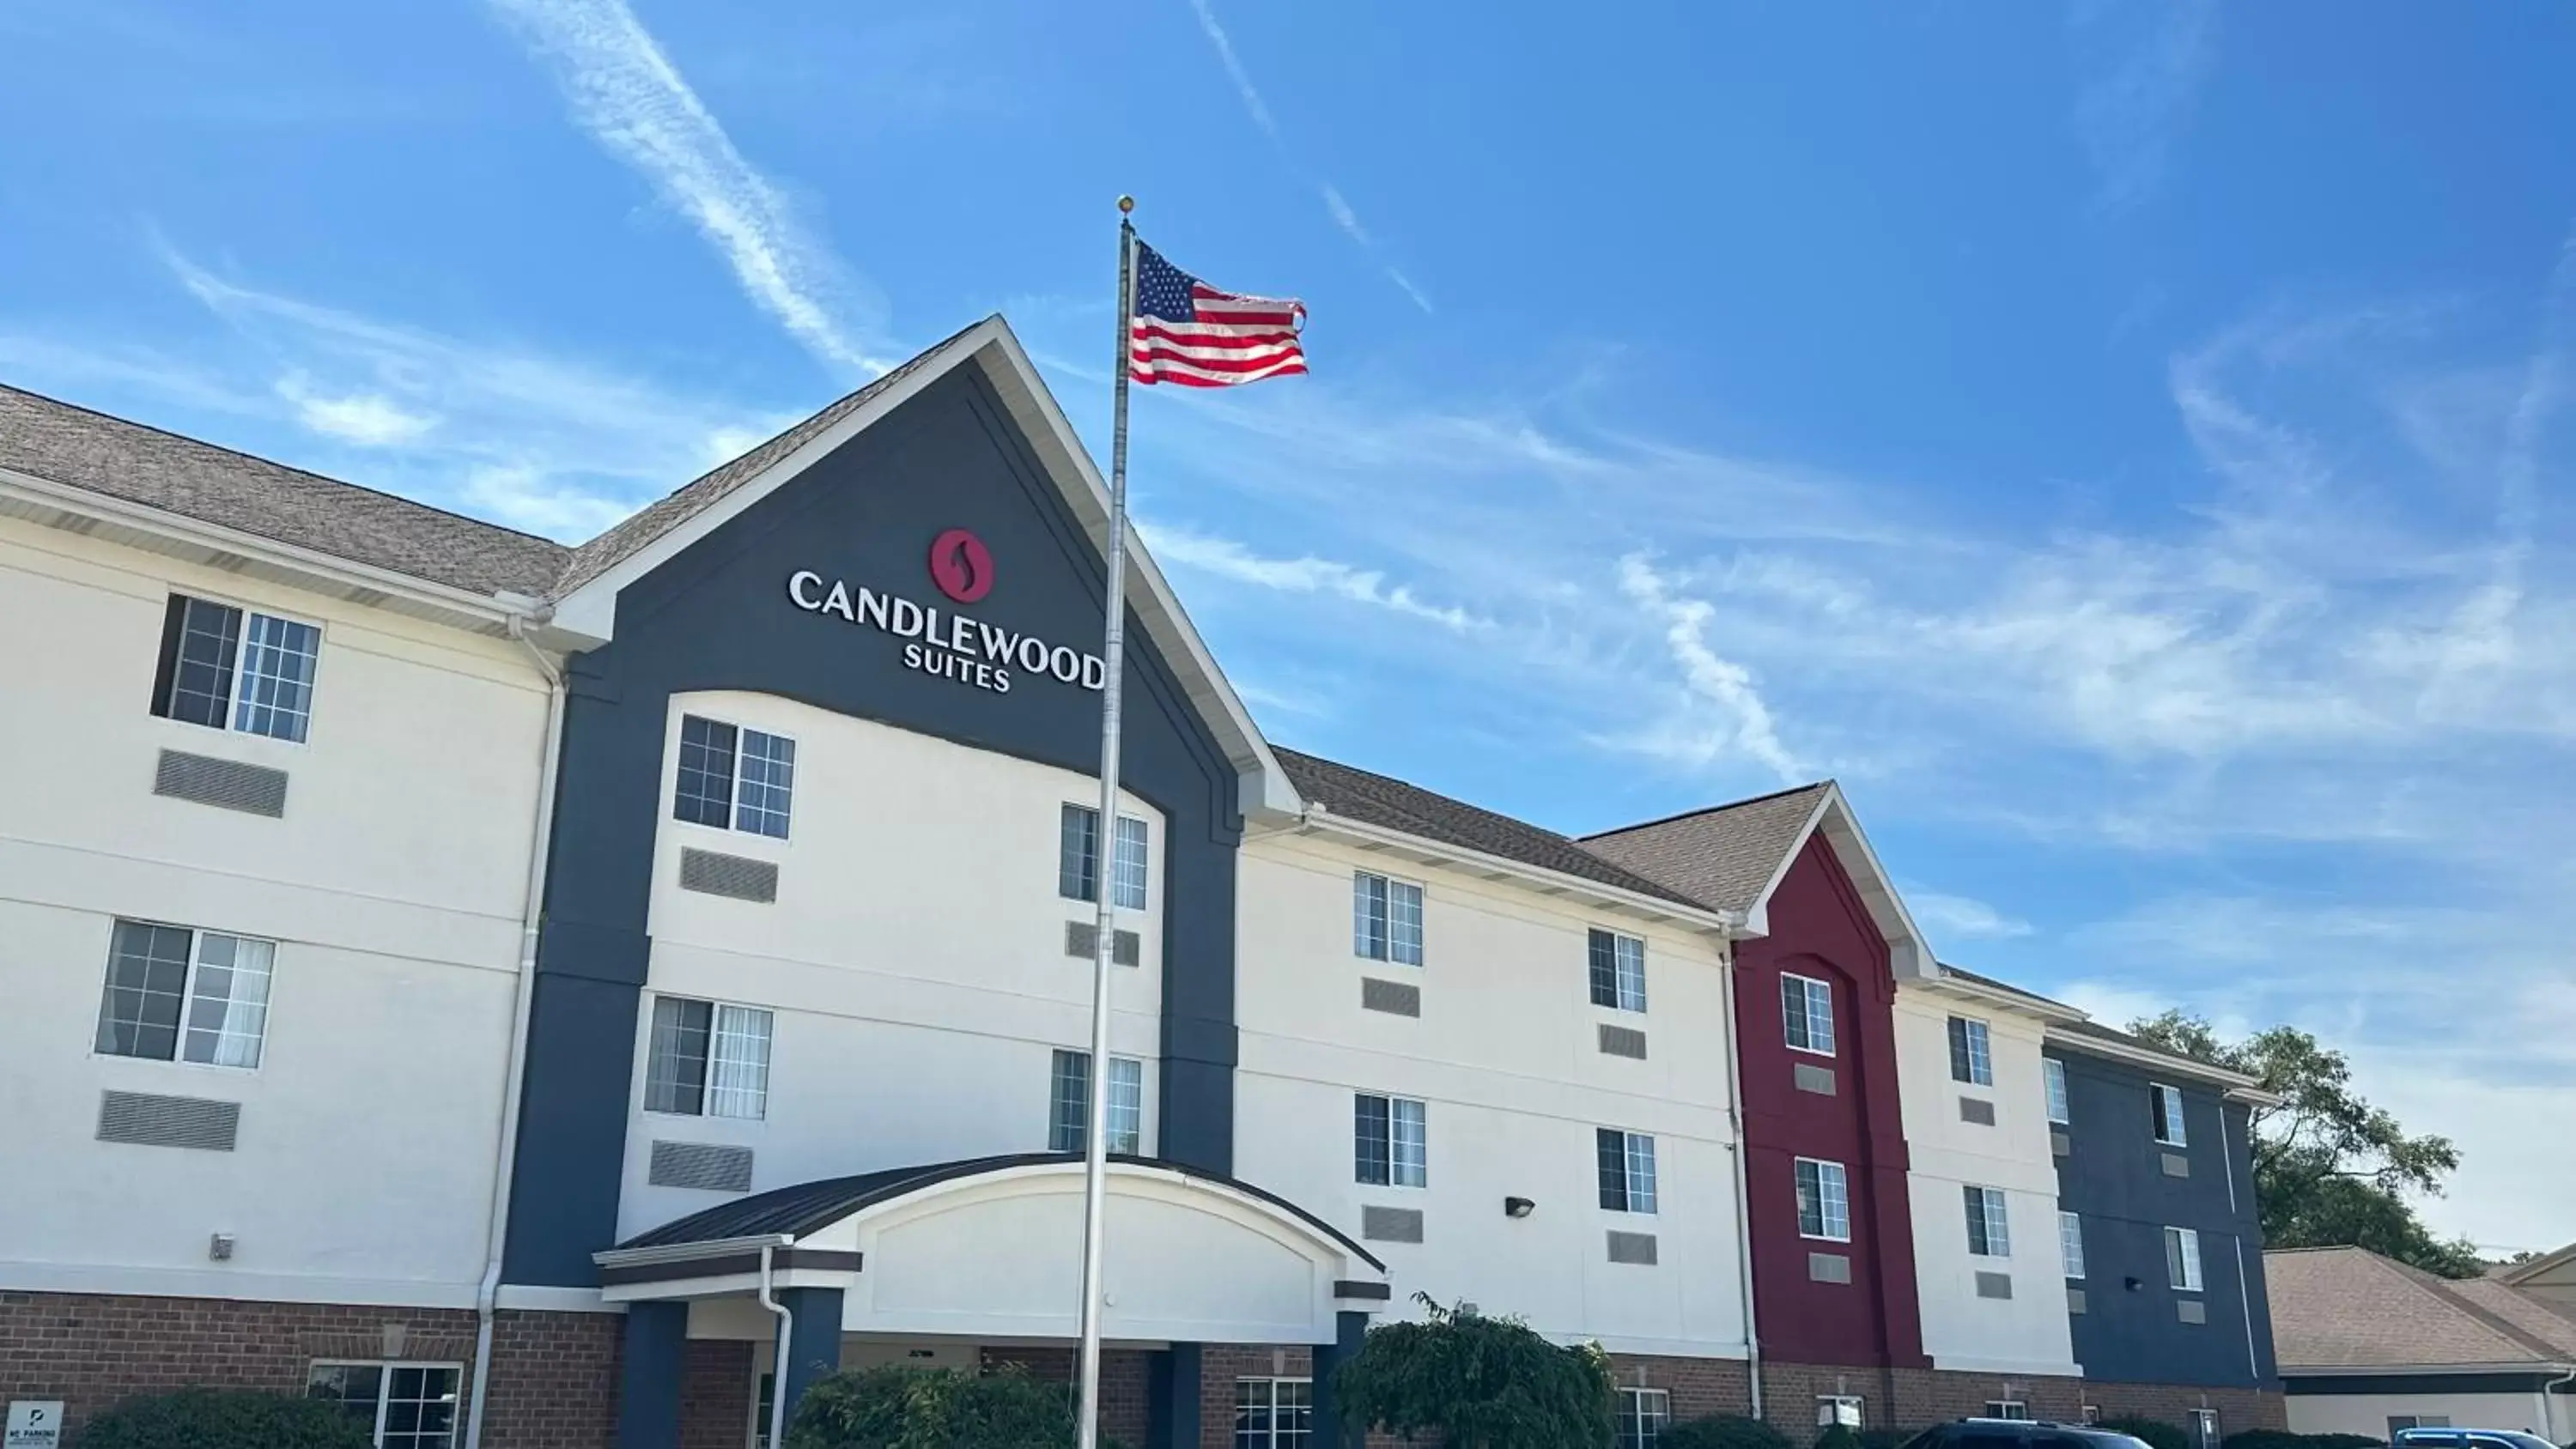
(2437, 1288)
(232, 452)
(1828, 782)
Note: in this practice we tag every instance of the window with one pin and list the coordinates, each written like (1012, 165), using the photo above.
(1971, 1060)
(1386, 919)
(404, 1405)
(706, 1059)
(1989, 1234)
(1843, 1409)
(1069, 1112)
(1274, 1413)
(226, 667)
(1077, 867)
(1824, 1201)
(2169, 1123)
(760, 1406)
(1807, 1014)
(737, 778)
(179, 995)
(1627, 1161)
(2007, 1409)
(2182, 1260)
(1618, 971)
(2053, 1073)
(2070, 1243)
(1390, 1141)
(2204, 1429)
(1643, 1413)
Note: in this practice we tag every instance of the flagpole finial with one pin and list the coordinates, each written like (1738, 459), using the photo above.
(1126, 206)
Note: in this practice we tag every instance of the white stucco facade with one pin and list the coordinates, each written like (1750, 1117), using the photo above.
(914, 959)
(392, 886)
(1505, 1057)
(1954, 1147)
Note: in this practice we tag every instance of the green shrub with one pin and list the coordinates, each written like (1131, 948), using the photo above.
(1723, 1431)
(2156, 1432)
(1887, 1438)
(1838, 1436)
(911, 1408)
(220, 1419)
(1478, 1383)
(2340, 1441)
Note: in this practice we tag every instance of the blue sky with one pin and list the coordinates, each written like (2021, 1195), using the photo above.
(2127, 444)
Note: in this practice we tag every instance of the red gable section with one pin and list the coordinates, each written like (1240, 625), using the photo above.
(1820, 928)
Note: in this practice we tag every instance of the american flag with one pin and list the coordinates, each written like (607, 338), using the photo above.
(1188, 332)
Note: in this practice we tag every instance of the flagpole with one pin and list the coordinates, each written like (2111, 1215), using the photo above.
(1095, 1137)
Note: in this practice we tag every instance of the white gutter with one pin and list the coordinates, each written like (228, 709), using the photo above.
(2240, 1087)
(2551, 1387)
(779, 1356)
(506, 1139)
(1317, 817)
(1743, 1192)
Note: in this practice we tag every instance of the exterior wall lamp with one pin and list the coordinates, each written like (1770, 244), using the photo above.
(1518, 1207)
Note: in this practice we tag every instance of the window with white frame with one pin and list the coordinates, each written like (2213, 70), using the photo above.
(2007, 1409)
(403, 1405)
(1843, 1409)
(1972, 1058)
(1390, 1141)
(2070, 1243)
(2204, 1429)
(175, 994)
(1824, 1201)
(1643, 1415)
(2052, 1072)
(1807, 1014)
(2168, 1108)
(707, 1059)
(1618, 971)
(1077, 868)
(2182, 1260)
(1386, 919)
(231, 668)
(1989, 1229)
(733, 778)
(1069, 1104)
(1274, 1413)
(1627, 1170)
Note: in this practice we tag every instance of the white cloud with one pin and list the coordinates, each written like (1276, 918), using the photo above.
(1336, 205)
(365, 418)
(1726, 715)
(2142, 68)
(1963, 917)
(624, 91)
(1304, 575)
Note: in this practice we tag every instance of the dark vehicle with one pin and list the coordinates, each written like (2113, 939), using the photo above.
(2036, 1434)
(2470, 1439)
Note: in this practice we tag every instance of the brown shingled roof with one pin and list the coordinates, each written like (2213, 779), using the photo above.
(60, 442)
(1722, 856)
(1385, 801)
(2348, 1308)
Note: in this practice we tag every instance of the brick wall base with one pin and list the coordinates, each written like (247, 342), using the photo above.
(2173, 1403)
(554, 1375)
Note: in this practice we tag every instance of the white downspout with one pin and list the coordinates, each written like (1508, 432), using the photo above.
(1743, 1193)
(2548, 1429)
(506, 1140)
(778, 1360)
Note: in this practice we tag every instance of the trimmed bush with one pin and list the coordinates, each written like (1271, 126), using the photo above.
(223, 1419)
(1887, 1438)
(1723, 1431)
(1477, 1383)
(1838, 1436)
(911, 1408)
(2156, 1432)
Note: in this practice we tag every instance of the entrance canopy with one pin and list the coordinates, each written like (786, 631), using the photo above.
(990, 1248)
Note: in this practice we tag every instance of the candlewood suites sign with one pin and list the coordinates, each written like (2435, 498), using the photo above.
(948, 644)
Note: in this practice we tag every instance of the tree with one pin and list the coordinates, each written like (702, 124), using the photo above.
(2330, 1169)
(1479, 1383)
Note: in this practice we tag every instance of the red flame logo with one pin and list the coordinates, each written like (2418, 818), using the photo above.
(961, 566)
